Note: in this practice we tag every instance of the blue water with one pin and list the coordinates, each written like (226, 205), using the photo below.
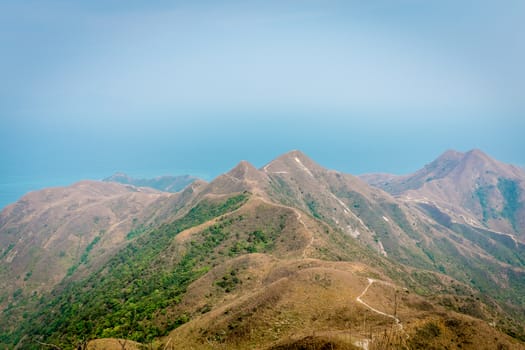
(13, 188)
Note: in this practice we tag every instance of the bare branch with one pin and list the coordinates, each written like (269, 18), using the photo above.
(122, 343)
(166, 346)
(50, 345)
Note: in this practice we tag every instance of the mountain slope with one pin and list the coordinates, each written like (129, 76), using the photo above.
(372, 216)
(46, 231)
(477, 206)
(66, 232)
(470, 187)
(287, 256)
(244, 280)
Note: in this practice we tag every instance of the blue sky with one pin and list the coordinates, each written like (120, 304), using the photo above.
(88, 88)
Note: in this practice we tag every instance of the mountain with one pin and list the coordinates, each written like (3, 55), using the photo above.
(59, 233)
(46, 232)
(288, 256)
(161, 183)
(470, 187)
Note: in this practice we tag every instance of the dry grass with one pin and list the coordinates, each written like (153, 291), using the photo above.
(452, 331)
(281, 299)
(316, 343)
(311, 304)
(277, 300)
(113, 344)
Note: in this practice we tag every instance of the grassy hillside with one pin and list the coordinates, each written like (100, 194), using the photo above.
(291, 256)
(120, 299)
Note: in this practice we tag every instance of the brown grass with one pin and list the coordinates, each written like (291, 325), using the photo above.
(113, 344)
(315, 343)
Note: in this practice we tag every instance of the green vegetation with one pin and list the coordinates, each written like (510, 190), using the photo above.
(313, 206)
(497, 245)
(83, 257)
(229, 281)
(510, 191)
(372, 213)
(137, 231)
(257, 241)
(17, 293)
(399, 217)
(7, 250)
(123, 298)
(282, 190)
(482, 193)
(28, 275)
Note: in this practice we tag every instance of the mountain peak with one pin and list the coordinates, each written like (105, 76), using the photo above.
(477, 154)
(290, 162)
(298, 154)
(477, 163)
(295, 153)
(243, 177)
(451, 154)
(469, 185)
(244, 170)
(452, 160)
(442, 165)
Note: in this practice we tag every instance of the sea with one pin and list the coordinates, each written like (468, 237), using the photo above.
(12, 188)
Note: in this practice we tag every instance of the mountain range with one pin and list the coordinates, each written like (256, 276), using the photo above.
(288, 256)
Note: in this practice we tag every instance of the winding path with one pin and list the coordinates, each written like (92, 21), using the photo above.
(364, 343)
(359, 300)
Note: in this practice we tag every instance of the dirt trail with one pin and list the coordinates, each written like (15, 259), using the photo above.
(359, 300)
(299, 218)
(364, 343)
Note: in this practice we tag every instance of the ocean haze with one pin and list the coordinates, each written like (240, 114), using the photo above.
(91, 88)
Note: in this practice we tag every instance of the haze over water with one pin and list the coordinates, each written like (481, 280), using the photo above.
(91, 88)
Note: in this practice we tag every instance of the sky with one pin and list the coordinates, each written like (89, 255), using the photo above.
(88, 88)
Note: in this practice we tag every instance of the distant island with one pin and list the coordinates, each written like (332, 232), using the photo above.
(166, 183)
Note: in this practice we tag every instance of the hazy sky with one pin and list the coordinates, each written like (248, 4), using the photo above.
(92, 87)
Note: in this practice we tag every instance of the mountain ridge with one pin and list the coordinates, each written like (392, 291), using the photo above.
(257, 258)
(470, 186)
